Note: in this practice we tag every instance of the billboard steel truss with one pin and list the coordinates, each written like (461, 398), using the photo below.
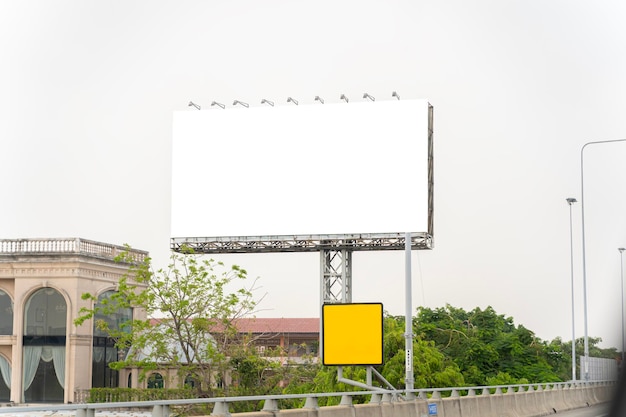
(335, 252)
(295, 243)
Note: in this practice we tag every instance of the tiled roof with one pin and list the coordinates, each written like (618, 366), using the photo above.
(278, 325)
(272, 325)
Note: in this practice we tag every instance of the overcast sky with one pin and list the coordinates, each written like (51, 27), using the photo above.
(88, 90)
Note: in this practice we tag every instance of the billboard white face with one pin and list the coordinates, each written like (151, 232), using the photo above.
(339, 168)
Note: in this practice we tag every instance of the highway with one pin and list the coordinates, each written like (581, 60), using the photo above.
(594, 411)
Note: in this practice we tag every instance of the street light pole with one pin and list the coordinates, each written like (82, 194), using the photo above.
(571, 201)
(582, 213)
(621, 263)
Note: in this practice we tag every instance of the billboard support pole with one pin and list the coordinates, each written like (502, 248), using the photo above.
(408, 318)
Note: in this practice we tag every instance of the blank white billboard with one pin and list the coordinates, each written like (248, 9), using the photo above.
(301, 170)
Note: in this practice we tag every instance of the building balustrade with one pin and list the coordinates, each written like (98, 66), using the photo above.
(78, 246)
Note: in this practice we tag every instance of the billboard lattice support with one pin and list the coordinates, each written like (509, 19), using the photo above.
(336, 275)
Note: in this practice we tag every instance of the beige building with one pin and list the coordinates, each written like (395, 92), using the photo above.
(44, 357)
(296, 338)
(288, 341)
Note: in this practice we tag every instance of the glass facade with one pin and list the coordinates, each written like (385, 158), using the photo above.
(44, 356)
(104, 350)
(44, 346)
(6, 328)
(6, 314)
(5, 379)
(5, 392)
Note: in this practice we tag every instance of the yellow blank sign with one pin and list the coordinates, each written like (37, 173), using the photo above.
(352, 334)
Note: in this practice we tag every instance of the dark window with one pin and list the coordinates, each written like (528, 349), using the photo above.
(190, 382)
(44, 346)
(6, 313)
(155, 381)
(5, 390)
(104, 349)
(104, 352)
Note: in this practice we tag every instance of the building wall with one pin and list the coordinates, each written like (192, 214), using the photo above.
(72, 267)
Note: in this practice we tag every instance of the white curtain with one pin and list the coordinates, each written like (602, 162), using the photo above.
(98, 354)
(32, 354)
(56, 354)
(58, 357)
(5, 370)
(111, 354)
(46, 353)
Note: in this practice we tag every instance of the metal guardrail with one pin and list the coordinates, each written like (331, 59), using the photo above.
(161, 408)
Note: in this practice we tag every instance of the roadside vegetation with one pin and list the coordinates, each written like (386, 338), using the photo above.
(197, 302)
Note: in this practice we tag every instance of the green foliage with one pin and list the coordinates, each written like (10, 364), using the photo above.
(253, 374)
(451, 347)
(454, 347)
(560, 354)
(197, 306)
(431, 368)
(487, 346)
(504, 378)
(103, 395)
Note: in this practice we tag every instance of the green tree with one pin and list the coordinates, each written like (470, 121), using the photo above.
(253, 374)
(431, 368)
(559, 356)
(486, 346)
(196, 309)
(596, 351)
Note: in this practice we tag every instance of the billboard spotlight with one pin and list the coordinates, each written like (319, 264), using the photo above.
(343, 97)
(215, 103)
(394, 94)
(241, 103)
(191, 103)
(292, 100)
(264, 101)
(365, 95)
(318, 98)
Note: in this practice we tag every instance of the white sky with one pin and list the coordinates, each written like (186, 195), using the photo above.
(88, 90)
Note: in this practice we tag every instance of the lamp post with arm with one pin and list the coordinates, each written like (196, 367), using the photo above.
(571, 201)
(582, 213)
(621, 264)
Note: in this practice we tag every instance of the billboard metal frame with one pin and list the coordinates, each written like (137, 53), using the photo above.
(300, 243)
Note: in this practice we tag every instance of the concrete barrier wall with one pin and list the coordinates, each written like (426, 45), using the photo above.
(531, 402)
